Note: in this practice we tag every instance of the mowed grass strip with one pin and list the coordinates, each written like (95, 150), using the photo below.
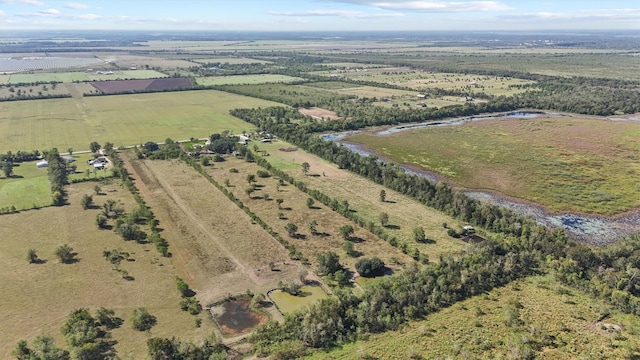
(295, 210)
(37, 298)
(119, 119)
(560, 323)
(364, 196)
(565, 164)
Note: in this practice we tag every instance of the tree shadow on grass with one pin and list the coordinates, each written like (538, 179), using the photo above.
(392, 227)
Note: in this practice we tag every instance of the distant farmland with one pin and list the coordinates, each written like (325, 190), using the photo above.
(118, 86)
(246, 79)
(565, 164)
(120, 119)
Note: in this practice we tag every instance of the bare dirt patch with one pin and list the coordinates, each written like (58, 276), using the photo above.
(320, 113)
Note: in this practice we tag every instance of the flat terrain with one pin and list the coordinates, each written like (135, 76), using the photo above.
(36, 298)
(119, 119)
(29, 186)
(216, 247)
(549, 320)
(570, 163)
(363, 196)
(295, 210)
(67, 77)
(246, 79)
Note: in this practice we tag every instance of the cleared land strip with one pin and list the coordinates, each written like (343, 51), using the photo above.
(213, 242)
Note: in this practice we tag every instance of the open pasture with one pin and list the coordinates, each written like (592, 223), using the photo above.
(363, 196)
(37, 298)
(9, 91)
(231, 60)
(295, 210)
(532, 316)
(570, 163)
(217, 249)
(246, 79)
(422, 81)
(67, 77)
(120, 119)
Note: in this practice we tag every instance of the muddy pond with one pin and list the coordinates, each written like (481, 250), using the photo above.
(236, 317)
(597, 230)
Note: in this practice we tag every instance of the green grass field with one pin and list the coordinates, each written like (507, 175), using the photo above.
(119, 119)
(29, 188)
(570, 164)
(67, 77)
(246, 79)
(534, 316)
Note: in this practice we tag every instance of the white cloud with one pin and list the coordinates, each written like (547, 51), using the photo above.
(28, 2)
(432, 6)
(337, 13)
(1, 13)
(580, 15)
(76, 6)
(50, 12)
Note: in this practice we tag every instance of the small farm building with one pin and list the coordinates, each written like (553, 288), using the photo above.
(42, 164)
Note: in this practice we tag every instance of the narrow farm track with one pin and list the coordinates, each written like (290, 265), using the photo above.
(215, 246)
(166, 188)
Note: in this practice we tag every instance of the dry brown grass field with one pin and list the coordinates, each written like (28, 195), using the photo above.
(36, 298)
(216, 248)
(363, 196)
(295, 211)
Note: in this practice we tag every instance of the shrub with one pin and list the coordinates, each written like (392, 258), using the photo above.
(142, 320)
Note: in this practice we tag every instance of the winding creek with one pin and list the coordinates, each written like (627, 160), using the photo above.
(598, 230)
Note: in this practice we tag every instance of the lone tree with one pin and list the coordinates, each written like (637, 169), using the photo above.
(383, 196)
(7, 168)
(384, 219)
(310, 202)
(418, 235)
(86, 201)
(349, 248)
(65, 254)
(32, 256)
(313, 227)
(291, 229)
(94, 147)
(328, 263)
(142, 320)
(251, 178)
(279, 201)
(305, 167)
(346, 231)
(370, 267)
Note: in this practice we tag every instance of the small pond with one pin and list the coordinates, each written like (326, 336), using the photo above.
(288, 303)
(236, 317)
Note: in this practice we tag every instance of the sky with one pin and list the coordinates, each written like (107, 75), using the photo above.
(320, 15)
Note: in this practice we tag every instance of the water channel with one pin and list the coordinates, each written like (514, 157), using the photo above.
(594, 229)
